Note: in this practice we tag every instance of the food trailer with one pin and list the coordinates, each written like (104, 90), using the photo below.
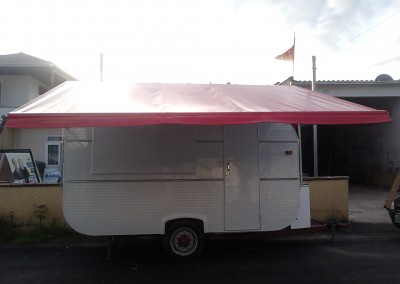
(184, 160)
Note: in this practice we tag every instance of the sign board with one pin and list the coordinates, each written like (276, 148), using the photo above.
(51, 175)
(18, 166)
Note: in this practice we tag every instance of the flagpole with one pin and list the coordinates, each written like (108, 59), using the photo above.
(294, 51)
(288, 55)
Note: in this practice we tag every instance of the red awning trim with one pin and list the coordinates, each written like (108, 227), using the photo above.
(78, 104)
(90, 120)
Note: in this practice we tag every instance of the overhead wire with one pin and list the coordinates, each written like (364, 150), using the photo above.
(365, 31)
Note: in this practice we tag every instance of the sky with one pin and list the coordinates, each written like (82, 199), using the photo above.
(207, 41)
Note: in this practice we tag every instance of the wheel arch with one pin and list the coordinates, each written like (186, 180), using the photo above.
(199, 221)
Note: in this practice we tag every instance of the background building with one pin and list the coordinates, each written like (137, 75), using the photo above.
(367, 153)
(23, 78)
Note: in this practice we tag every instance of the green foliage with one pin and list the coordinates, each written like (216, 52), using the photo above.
(334, 218)
(38, 233)
(8, 229)
(12, 232)
(40, 213)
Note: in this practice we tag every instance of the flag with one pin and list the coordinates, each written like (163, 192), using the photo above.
(287, 55)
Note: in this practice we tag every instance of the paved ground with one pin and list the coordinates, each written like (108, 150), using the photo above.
(309, 258)
(366, 204)
(366, 211)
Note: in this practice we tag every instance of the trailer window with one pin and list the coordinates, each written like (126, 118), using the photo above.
(149, 149)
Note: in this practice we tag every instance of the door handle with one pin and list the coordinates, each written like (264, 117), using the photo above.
(228, 169)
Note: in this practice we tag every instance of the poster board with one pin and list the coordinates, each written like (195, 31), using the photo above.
(18, 166)
(51, 175)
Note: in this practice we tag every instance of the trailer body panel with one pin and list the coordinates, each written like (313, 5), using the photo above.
(232, 178)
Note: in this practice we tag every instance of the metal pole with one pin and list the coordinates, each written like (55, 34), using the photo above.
(294, 51)
(314, 73)
(300, 154)
(315, 130)
(101, 67)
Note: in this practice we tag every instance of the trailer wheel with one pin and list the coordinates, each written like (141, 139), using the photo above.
(392, 214)
(183, 240)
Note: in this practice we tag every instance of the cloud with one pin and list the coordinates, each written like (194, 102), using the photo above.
(333, 22)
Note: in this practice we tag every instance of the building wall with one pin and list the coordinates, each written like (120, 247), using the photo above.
(372, 152)
(369, 153)
(7, 138)
(17, 90)
(35, 140)
(360, 90)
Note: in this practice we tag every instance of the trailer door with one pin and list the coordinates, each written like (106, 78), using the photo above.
(242, 182)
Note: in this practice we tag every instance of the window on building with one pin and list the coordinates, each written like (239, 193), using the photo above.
(53, 151)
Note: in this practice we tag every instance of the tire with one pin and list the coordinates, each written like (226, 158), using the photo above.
(183, 240)
(395, 211)
(392, 214)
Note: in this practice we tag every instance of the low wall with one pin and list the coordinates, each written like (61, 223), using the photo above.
(329, 198)
(24, 202)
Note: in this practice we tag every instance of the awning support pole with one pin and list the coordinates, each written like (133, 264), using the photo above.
(300, 154)
(315, 130)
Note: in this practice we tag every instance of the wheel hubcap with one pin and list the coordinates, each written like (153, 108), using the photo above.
(184, 241)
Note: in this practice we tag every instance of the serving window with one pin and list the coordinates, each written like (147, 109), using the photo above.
(152, 149)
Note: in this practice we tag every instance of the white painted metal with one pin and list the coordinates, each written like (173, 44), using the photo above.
(129, 208)
(276, 132)
(260, 192)
(279, 160)
(279, 199)
(161, 149)
(303, 220)
(242, 181)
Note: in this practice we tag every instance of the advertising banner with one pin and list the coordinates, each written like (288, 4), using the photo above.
(18, 166)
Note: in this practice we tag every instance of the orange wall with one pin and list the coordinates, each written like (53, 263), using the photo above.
(329, 198)
(21, 201)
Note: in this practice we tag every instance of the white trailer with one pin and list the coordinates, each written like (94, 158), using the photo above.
(182, 181)
(184, 160)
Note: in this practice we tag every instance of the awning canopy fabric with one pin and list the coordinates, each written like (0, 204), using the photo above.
(84, 104)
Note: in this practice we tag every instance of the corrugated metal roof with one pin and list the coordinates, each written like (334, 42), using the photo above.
(291, 81)
(349, 82)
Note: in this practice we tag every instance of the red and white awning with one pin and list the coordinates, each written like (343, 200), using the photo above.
(84, 104)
